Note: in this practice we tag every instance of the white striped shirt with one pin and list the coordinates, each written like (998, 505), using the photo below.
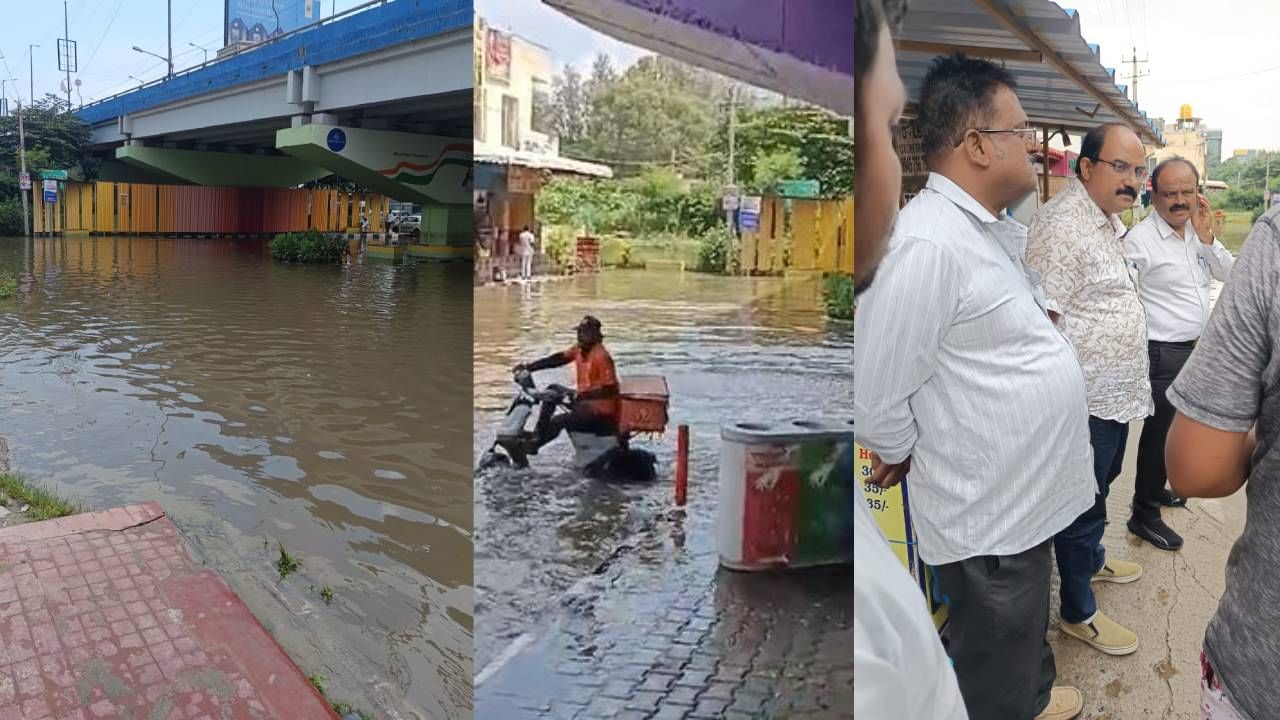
(957, 366)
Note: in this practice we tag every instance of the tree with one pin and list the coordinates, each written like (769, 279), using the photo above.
(1246, 180)
(570, 107)
(652, 114)
(56, 140)
(771, 167)
(602, 75)
(819, 138)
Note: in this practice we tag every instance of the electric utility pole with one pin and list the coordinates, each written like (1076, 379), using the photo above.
(733, 126)
(1266, 186)
(1134, 74)
(22, 155)
(31, 71)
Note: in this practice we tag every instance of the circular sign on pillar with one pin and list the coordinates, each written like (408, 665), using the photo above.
(337, 139)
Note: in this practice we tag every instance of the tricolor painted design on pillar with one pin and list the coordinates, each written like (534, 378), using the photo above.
(456, 155)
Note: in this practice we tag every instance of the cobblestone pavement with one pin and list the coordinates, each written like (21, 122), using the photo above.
(104, 615)
(660, 632)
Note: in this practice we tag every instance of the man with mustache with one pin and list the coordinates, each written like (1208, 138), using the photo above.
(1174, 255)
(1075, 244)
(961, 379)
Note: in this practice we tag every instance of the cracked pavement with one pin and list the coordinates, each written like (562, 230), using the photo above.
(1168, 607)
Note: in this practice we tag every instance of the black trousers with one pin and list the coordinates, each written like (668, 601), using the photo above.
(998, 614)
(576, 420)
(1167, 360)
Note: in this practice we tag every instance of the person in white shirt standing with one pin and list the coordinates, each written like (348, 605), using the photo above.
(526, 247)
(1174, 256)
(961, 379)
(901, 671)
(1075, 244)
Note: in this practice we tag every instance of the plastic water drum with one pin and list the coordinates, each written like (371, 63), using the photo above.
(786, 494)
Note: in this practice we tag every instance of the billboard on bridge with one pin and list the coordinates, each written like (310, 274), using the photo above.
(258, 20)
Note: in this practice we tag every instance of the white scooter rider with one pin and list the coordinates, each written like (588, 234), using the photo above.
(595, 405)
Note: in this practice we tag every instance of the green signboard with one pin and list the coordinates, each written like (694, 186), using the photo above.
(53, 174)
(798, 188)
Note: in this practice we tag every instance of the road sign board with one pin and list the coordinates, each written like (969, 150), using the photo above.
(24, 181)
(51, 191)
(53, 174)
(749, 213)
(798, 188)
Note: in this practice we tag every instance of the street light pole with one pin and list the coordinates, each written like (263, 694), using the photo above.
(66, 34)
(170, 4)
(160, 57)
(201, 49)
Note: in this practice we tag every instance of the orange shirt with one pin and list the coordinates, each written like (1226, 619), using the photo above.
(595, 370)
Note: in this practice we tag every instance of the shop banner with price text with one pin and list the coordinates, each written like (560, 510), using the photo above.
(892, 513)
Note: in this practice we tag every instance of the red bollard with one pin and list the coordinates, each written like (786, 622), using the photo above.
(682, 464)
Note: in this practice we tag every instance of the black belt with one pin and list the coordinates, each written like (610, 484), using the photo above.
(1187, 344)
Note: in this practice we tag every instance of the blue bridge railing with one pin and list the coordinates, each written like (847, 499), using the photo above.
(361, 30)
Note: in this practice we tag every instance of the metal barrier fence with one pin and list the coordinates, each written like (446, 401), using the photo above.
(129, 208)
(804, 235)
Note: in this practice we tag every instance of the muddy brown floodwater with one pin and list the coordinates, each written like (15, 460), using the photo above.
(322, 408)
(732, 349)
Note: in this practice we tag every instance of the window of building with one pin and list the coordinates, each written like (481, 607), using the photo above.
(540, 117)
(511, 121)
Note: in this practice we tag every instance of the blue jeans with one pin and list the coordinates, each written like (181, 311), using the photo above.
(1079, 545)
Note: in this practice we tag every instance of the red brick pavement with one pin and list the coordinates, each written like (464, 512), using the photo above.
(105, 615)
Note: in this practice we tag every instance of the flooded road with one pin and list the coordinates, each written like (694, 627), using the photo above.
(730, 348)
(321, 408)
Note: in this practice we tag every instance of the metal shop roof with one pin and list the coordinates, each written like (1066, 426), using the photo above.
(1061, 81)
(491, 155)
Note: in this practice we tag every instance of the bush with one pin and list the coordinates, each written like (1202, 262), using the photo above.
(8, 285)
(10, 217)
(838, 296)
(311, 246)
(558, 243)
(657, 202)
(716, 251)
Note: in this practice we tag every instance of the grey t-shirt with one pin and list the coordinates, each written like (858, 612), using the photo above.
(1229, 383)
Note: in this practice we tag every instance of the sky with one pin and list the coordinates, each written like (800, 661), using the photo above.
(1221, 62)
(106, 31)
(568, 40)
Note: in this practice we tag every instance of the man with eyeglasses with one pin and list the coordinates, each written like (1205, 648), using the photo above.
(1076, 245)
(1174, 256)
(961, 379)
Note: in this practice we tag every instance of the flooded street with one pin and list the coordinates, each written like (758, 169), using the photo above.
(732, 349)
(260, 404)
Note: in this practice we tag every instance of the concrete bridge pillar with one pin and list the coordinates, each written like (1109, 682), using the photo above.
(429, 169)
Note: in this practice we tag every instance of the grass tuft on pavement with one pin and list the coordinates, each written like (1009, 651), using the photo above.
(45, 504)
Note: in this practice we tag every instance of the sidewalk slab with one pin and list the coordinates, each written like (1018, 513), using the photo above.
(106, 615)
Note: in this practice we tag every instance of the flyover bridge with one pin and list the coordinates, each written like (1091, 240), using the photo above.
(380, 95)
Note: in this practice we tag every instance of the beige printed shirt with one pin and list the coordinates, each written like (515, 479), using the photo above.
(1079, 252)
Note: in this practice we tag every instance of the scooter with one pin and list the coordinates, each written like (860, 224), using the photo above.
(608, 456)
